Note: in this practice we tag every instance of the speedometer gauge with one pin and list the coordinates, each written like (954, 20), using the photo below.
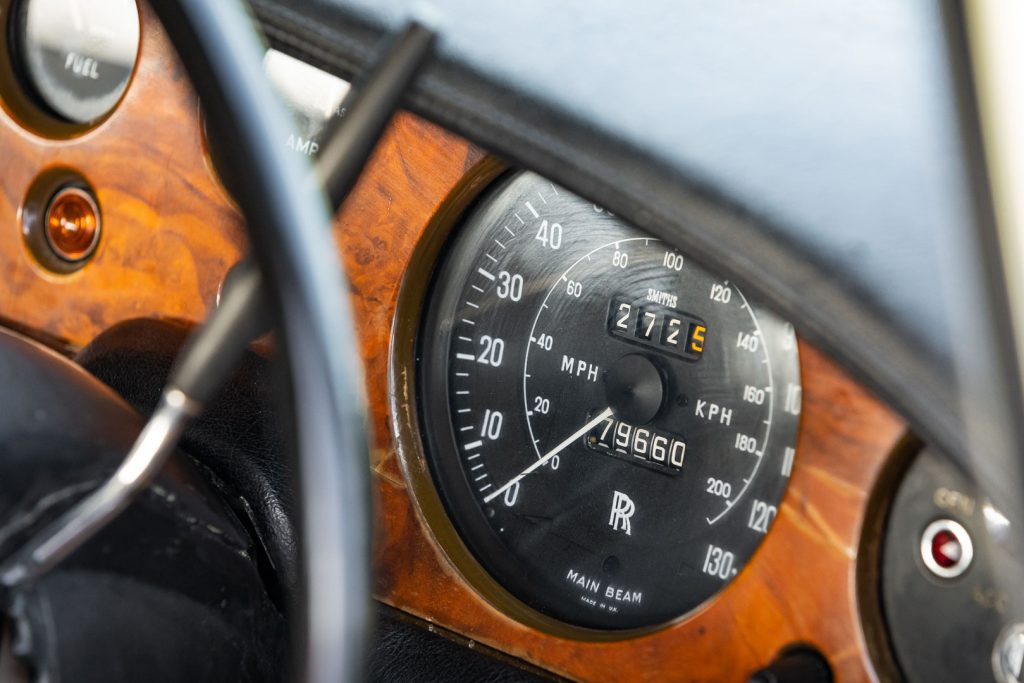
(610, 426)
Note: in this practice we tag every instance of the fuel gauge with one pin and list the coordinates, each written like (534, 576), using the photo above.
(78, 55)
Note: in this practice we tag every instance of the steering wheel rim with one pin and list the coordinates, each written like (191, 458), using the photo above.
(288, 222)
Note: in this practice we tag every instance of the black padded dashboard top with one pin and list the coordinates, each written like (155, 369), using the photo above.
(810, 152)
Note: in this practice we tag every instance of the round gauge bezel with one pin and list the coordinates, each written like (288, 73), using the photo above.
(416, 361)
(18, 96)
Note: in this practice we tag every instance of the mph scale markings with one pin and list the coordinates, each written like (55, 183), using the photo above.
(622, 435)
(713, 412)
(534, 333)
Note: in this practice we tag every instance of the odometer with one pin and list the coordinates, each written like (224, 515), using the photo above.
(610, 426)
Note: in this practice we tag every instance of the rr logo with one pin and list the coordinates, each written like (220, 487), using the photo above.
(622, 510)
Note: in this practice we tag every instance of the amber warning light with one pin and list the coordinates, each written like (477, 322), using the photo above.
(72, 224)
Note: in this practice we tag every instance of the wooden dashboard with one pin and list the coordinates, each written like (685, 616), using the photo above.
(170, 235)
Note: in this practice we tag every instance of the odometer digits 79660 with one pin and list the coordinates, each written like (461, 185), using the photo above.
(610, 426)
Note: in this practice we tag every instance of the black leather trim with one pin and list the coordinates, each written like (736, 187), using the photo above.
(168, 591)
(829, 306)
(237, 437)
(408, 650)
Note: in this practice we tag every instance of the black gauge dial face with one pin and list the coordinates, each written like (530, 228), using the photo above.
(610, 426)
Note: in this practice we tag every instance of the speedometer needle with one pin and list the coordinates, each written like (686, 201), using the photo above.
(605, 414)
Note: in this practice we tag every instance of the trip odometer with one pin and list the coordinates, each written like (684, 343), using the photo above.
(610, 426)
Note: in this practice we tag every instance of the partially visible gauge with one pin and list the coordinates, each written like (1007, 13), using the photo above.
(610, 427)
(79, 54)
(314, 97)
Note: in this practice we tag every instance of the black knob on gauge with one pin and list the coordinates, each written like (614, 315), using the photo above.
(634, 389)
(795, 665)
